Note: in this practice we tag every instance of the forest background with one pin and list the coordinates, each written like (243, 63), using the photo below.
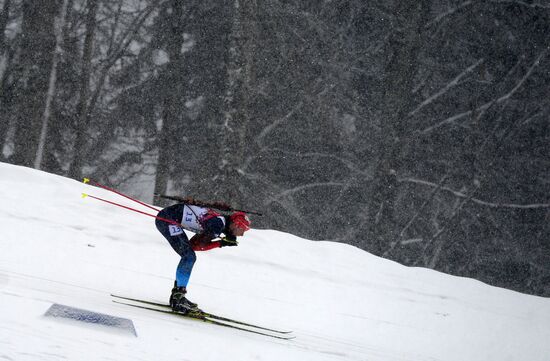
(415, 130)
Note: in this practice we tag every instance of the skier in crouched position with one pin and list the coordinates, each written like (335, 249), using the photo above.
(207, 225)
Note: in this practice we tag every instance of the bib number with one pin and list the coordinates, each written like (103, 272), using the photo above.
(174, 230)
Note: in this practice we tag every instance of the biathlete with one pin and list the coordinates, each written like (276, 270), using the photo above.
(207, 225)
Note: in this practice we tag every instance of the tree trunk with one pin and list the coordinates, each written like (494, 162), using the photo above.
(207, 67)
(4, 16)
(37, 47)
(172, 105)
(82, 113)
(241, 79)
(51, 87)
(4, 120)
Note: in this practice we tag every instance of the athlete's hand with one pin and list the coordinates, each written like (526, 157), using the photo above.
(228, 242)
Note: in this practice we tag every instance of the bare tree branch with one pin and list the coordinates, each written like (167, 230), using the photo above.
(454, 10)
(487, 105)
(416, 215)
(268, 129)
(475, 200)
(289, 191)
(450, 85)
(522, 3)
(449, 12)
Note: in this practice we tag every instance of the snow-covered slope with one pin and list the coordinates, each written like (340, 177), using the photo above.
(341, 302)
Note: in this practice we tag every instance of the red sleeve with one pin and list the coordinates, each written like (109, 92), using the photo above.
(207, 247)
(202, 242)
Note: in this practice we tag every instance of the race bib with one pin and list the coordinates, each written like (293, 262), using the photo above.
(174, 230)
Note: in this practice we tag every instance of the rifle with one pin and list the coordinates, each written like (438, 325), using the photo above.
(222, 206)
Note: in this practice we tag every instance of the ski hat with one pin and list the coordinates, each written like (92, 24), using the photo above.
(241, 220)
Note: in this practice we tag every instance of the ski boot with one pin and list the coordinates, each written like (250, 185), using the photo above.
(180, 303)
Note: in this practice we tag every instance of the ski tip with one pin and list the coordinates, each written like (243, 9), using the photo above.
(84, 195)
(86, 180)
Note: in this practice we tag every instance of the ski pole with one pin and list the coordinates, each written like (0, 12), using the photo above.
(84, 195)
(87, 180)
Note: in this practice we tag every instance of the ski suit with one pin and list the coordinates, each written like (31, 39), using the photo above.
(204, 222)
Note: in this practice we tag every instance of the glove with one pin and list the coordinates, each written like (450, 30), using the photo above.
(228, 241)
(231, 237)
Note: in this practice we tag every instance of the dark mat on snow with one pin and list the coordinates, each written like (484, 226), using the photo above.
(90, 317)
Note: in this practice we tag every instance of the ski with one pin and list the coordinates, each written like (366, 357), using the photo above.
(206, 314)
(200, 317)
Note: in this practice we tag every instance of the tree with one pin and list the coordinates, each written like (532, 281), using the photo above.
(37, 48)
(4, 64)
(208, 26)
(172, 99)
(82, 114)
(239, 92)
(404, 46)
(60, 25)
(96, 127)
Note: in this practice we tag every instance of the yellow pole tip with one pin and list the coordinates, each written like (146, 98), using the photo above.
(86, 180)
(84, 195)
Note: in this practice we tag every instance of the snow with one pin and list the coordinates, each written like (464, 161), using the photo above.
(341, 302)
(160, 57)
